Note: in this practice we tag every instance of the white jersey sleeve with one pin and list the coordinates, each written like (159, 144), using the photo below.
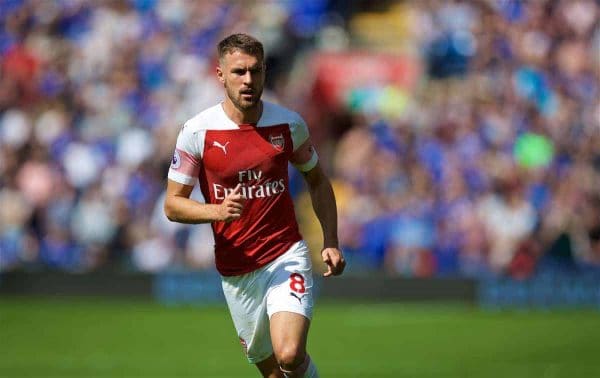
(299, 133)
(298, 130)
(187, 157)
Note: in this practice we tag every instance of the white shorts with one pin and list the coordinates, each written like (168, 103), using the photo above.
(285, 284)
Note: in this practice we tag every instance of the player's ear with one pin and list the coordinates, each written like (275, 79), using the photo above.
(220, 75)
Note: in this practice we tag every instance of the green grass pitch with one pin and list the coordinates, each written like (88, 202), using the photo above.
(109, 338)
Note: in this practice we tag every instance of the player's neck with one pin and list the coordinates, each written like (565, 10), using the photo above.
(242, 117)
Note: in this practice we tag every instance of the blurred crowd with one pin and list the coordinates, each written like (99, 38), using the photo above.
(492, 166)
(92, 96)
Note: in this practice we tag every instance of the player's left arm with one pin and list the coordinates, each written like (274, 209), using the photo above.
(323, 202)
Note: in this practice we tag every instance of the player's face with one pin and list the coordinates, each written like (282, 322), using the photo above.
(243, 76)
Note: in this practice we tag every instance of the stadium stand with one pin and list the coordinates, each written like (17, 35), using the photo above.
(462, 136)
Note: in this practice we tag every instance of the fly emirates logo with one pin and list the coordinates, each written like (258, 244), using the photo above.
(251, 188)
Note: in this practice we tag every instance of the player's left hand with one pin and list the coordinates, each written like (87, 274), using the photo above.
(334, 259)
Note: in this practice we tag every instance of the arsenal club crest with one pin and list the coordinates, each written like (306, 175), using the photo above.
(277, 141)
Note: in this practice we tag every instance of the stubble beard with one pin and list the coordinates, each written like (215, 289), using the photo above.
(236, 99)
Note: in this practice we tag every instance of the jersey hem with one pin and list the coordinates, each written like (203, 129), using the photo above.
(258, 265)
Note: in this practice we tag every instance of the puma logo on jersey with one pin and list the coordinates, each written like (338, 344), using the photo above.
(299, 298)
(221, 146)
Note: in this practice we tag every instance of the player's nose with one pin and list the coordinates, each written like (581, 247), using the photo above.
(248, 78)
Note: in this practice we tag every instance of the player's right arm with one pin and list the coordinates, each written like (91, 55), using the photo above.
(183, 173)
(179, 207)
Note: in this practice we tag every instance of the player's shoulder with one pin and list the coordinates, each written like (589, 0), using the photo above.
(275, 114)
(212, 118)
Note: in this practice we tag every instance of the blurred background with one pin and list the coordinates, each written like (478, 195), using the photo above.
(463, 143)
(462, 138)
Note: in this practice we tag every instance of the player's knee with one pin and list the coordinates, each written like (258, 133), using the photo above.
(290, 357)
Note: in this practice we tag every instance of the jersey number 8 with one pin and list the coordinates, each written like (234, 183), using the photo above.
(297, 283)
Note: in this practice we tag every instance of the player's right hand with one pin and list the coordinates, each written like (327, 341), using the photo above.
(233, 205)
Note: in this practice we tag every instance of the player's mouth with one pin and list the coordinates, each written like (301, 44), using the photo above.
(247, 94)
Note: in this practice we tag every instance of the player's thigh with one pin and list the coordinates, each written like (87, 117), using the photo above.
(289, 332)
(290, 304)
(291, 283)
(245, 297)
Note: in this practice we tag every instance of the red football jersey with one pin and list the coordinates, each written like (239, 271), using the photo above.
(220, 154)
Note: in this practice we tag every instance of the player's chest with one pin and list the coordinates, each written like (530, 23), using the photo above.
(227, 152)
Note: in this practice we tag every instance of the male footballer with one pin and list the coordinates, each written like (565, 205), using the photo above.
(238, 151)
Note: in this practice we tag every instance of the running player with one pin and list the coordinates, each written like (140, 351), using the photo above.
(238, 151)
